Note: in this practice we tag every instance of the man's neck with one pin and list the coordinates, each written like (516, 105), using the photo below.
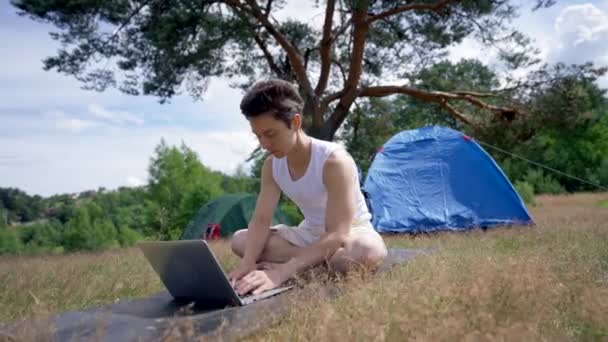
(300, 153)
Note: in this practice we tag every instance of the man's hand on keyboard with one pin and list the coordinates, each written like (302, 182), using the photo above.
(259, 281)
(242, 270)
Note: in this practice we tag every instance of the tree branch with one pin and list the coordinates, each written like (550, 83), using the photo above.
(105, 43)
(307, 57)
(455, 113)
(330, 98)
(325, 52)
(273, 65)
(342, 29)
(476, 94)
(261, 43)
(268, 8)
(324, 103)
(342, 71)
(410, 7)
(292, 53)
(439, 97)
(349, 93)
(344, 24)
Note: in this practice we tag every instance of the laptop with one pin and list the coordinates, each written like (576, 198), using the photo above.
(191, 272)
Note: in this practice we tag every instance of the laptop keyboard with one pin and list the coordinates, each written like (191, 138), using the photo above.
(250, 298)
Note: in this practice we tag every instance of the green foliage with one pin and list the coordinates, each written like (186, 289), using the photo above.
(294, 215)
(41, 237)
(258, 157)
(3, 217)
(9, 241)
(570, 134)
(568, 130)
(125, 207)
(525, 191)
(375, 121)
(61, 207)
(176, 39)
(177, 44)
(127, 237)
(79, 231)
(542, 183)
(240, 182)
(85, 221)
(88, 230)
(19, 206)
(179, 184)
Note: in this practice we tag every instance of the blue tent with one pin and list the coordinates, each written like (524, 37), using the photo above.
(436, 178)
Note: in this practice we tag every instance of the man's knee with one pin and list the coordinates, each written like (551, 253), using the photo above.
(375, 256)
(362, 252)
(369, 253)
(237, 243)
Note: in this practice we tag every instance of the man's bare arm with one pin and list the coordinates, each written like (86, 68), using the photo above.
(259, 226)
(338, 176)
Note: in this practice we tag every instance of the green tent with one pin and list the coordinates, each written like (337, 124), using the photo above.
(232, 212)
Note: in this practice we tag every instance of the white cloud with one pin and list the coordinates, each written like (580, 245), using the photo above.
(567, 33)
(469, 49)
(585, 22)
(26, 88)
(134, 181)
(64, 122)
(119, 117)
(58, 163)
(582, 32)
(74, 125)
(303, 11)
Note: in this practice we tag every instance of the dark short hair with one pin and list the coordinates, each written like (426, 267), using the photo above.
(277, 97)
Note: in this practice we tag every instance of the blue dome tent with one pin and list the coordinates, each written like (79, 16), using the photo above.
(435, 178)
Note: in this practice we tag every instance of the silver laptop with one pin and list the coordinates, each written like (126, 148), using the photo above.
(190, 272)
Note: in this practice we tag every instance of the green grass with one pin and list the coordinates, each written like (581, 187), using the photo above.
(549, 282)
(602, 204)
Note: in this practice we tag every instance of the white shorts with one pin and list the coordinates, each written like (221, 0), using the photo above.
(304, 235)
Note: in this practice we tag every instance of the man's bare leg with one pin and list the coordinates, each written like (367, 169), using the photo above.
(362, 250)
(276, 250)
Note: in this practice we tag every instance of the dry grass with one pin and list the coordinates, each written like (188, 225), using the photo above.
(31, 286)
(549, 282)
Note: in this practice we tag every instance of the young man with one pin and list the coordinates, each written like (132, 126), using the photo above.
(321, 178)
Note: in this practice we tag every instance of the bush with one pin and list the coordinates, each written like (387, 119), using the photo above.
(127, 236)
(9, 242)
(603, 173)
(84, 233)
(526, 192)
(543, 184)
(106, 235)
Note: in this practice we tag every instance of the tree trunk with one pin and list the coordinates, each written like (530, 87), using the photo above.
(309, 124)
(327, 129)
(313, 121)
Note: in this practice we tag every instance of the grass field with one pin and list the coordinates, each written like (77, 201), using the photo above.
(549, 282)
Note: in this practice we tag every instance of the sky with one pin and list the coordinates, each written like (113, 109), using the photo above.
(58, 138)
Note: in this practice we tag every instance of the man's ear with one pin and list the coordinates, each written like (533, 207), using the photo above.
(296, 121)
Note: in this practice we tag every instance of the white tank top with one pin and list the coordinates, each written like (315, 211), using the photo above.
(309, 192)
